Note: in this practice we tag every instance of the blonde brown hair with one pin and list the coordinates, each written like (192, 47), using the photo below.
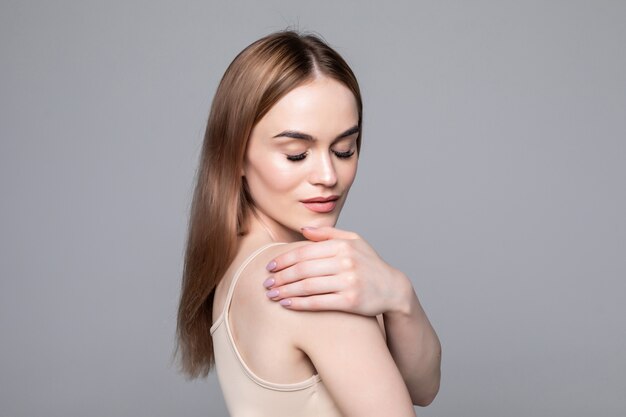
(256, 79)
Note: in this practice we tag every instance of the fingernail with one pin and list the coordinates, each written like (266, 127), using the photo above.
(285, 302)
(268, 282)
(271, 265)
(272, 293)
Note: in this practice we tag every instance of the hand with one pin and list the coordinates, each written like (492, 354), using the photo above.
(337, 271)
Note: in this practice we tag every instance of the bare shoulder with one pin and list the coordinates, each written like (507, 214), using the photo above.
(257, 266)
(262, 328)
(347, 350)
(250, 286)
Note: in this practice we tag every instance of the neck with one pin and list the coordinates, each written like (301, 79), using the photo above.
(260, 224)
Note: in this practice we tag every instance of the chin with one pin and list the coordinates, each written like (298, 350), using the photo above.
(321, 222)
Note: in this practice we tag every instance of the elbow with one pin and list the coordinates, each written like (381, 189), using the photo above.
(427, 387)
(429, 391)
(426, 397)
(425, 400)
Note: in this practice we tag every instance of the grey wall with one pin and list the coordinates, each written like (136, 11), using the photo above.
(492, 173)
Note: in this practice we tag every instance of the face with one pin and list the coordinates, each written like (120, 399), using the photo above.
(303, 149)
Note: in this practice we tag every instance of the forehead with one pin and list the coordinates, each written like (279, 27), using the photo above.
(323, 107)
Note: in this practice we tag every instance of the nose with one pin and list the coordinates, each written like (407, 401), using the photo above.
(323, 171)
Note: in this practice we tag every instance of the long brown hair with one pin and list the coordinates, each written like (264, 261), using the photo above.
(256, 79)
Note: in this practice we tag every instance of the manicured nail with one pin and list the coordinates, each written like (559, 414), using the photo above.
(285, 302)
(271, 265)
(268, 282)
(272, 293)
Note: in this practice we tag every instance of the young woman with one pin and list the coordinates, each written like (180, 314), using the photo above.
(299, 318)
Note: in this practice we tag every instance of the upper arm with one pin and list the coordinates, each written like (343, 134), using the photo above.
(350, 355)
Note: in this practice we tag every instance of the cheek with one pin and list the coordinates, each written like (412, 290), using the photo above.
(277, 176)
(348, 173)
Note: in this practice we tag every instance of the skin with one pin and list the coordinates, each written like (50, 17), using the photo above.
(325, 273)
(277, 184)
(362, 283)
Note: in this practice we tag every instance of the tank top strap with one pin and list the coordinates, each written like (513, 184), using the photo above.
(231, 288)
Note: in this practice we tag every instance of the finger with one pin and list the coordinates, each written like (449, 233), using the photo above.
(314, 250)
(327, 232)
(305, 269)
(332, 301)
(310, 286)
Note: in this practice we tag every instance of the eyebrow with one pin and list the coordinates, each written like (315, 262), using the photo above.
(300, 135)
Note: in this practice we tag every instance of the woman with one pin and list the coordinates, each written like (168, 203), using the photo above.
(298, 317)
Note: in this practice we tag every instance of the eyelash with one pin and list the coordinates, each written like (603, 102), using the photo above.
(300, 157)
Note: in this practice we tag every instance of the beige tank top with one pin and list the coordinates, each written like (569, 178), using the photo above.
(246, 394)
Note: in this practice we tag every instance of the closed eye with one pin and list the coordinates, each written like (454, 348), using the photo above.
(344, 155)
(296, 158)
(301, 156)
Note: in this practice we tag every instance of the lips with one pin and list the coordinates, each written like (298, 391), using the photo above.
(321, 199)
(321, 204)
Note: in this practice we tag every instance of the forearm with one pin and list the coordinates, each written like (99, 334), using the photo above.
(414, 346)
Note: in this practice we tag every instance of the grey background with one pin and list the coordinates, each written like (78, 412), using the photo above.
(492, 173)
